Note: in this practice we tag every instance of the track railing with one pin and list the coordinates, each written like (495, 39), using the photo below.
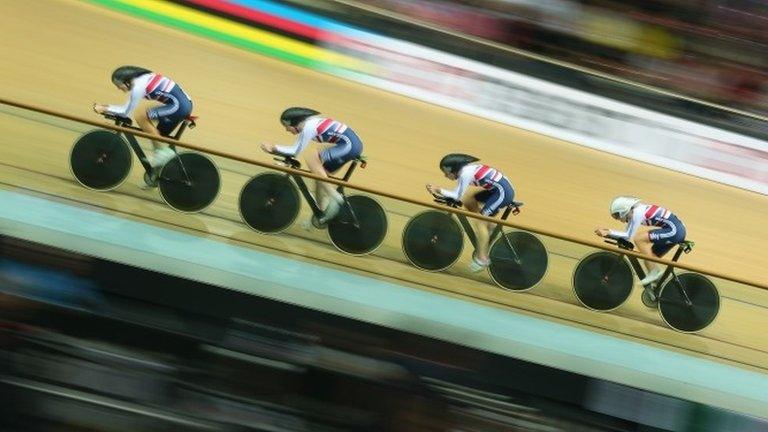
(512, 223)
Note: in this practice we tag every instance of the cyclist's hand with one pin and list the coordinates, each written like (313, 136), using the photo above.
(602, 232)
(267, 147)
(99, 109)
(434, 190)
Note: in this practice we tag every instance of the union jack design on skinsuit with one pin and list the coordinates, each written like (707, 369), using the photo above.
(330, 131)
(158, 87)
(656, 216)
(486, 177)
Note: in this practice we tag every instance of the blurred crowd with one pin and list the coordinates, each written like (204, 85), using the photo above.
(707, 49)
(91, 345)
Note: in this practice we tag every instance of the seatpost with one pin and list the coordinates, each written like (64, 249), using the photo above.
(183, 126)
(678, 252)
(349, 172)
(347, 176)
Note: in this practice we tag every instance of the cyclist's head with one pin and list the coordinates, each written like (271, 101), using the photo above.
(292, 117)
(452, 163)
(124, 75)
(621, 205)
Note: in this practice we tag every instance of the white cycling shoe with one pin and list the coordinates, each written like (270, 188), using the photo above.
(331, 212)
(162, 156)
(478, 265)
(652, 277)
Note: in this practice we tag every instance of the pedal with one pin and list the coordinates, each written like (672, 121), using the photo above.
(316, 223)
(688, 246)
(649, 297)
(150, 179)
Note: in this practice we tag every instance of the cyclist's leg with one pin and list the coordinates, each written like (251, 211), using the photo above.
(146, 123)
(168, 116)
(473, 203)
(331, 160)
(657, 243)
(645, 246)
(493, 200)
(315, 165)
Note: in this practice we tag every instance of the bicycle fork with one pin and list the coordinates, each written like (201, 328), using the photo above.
(307, 195)
(139, 153)
(615, 264)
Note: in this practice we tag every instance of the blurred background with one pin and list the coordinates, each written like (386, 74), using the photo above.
(88, 344)
(708, 49)
(120, 338)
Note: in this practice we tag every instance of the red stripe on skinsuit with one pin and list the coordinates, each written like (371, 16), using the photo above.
(152, 84)
(481, 172)
(322, 127)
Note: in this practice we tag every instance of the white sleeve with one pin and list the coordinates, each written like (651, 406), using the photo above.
(632, 226)
(137, 92)
(465, 178)
(306, 135)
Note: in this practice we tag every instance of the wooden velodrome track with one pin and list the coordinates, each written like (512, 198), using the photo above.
(58, 54)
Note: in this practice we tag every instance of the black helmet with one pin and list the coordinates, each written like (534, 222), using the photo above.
(124, 74)
(453, 162)
(295, 115)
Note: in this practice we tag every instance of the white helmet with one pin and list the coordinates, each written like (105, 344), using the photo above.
(621, 205)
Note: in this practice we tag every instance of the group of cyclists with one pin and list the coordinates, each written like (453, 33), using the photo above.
(495, 190)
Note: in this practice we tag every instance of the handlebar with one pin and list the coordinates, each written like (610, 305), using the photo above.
(288, 161)
(450, 202)
(119, 120)
(621, 243)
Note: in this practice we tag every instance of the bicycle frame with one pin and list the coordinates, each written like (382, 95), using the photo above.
(304, 189)
(682, 248)
(471, 232)
(134, 143)
(492, 236)
(635, 263)
(137, 150)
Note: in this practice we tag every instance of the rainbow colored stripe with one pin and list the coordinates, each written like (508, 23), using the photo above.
(242, 35)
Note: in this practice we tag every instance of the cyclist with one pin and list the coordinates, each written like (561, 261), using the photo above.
(309, 125)
(496, 192)
(657, 242)
(143, 83)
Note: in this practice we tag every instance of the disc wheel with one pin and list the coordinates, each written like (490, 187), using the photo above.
(100, 160)
(360, 228)
(602, 281)
(519, 261)
(189, 182)
(432, 240)
(694, 316)
(269, 203)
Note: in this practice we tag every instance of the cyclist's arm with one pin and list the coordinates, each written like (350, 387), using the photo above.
(135, 95)
(306, 135)
(631, 229)
(465, 178)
